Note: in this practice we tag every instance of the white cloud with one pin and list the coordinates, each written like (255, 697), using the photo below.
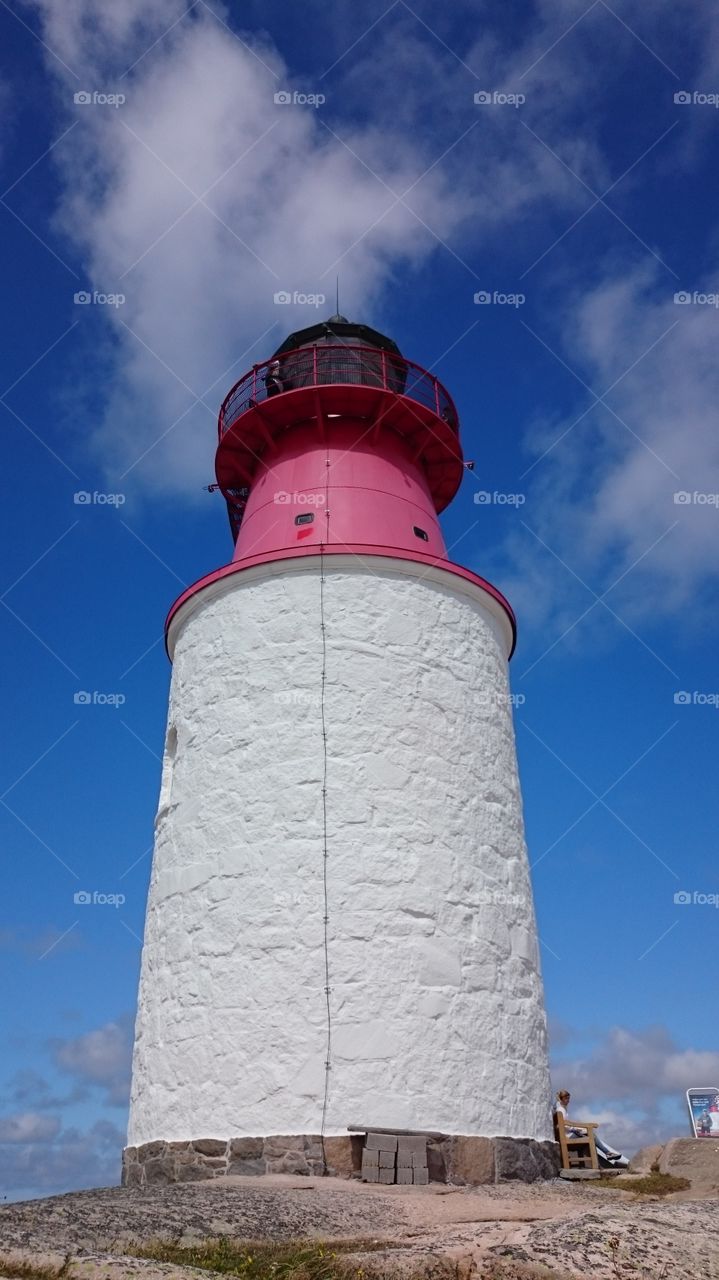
(41, 1153)
(628, 1133)
(88, 33)
(101, 1057)
(641, 1065)
(634, 1082)
(28, 1126)
(27, 1086)
(47, 1163)
(601, 495)
(286, 202)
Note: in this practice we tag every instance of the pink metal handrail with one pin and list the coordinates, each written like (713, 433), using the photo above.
(336, 363)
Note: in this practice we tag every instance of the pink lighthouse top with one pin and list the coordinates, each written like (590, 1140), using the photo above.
(338, 443)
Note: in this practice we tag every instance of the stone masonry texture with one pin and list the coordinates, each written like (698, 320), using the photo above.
(460, 1161)
(436, 995)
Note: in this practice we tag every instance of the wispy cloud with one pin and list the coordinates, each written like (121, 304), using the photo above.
(99, 1058)
(633, 1083)
(201, 196)
(199, 199)
(28, 1126)
(624, 488)
(44, 1158)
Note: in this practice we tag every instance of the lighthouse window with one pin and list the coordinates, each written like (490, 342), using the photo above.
(306, 518)
(420, 533)
(168, 768)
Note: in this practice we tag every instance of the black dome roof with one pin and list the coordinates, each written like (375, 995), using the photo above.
(339, 329)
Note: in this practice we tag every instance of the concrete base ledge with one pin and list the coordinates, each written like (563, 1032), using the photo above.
(458, 1160)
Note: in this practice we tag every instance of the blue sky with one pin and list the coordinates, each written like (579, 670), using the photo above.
(587, 406)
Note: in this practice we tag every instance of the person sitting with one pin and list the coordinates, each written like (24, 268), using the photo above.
(606, 1154)
(273, 382)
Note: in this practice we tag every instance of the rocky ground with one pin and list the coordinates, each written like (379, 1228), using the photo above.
(567, 1229)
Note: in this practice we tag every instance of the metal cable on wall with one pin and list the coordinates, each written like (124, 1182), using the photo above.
(325, 849)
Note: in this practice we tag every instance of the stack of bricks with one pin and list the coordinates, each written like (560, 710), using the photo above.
(390, 1158)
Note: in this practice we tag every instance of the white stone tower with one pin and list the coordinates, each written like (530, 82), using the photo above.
(340, 927)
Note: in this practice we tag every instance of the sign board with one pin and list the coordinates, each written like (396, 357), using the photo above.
(703, 1106)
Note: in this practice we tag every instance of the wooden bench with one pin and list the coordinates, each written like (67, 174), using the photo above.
(577, 1153)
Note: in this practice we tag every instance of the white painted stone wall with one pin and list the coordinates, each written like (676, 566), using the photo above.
(436, 995)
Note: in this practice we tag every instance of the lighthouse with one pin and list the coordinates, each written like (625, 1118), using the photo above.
(340, 927)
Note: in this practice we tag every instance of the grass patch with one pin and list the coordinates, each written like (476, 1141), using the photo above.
(268, 1260)
(329, 1260)
(653, 1184)
(24, 1270)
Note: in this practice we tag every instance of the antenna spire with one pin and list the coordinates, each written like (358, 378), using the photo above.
(337, 295)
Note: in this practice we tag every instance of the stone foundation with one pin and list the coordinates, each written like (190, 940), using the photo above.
(461, 1161)
(158, 1163)
(474, 1162)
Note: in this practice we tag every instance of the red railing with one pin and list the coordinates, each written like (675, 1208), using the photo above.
(336, 363)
